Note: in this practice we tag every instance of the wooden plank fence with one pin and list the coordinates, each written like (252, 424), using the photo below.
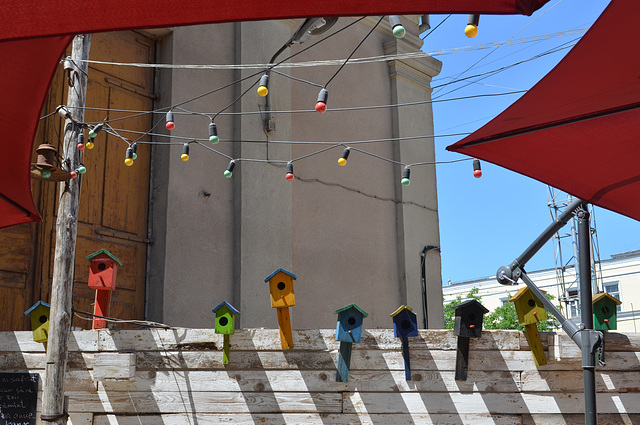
(177, 377)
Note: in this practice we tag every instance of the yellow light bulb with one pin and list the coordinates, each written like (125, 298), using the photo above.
(471, 31)
(128, 162)
(184, 157)
(263, 90)
(342, 162)
(89, 145)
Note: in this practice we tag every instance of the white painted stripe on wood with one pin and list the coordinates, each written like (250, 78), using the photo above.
(305, 340)
(310, 419)
(204, 402)
(464, 403)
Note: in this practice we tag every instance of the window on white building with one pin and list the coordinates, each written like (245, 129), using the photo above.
(613, 289)
(573, 303)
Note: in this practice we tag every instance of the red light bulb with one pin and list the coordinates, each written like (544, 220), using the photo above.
(477, 170)
(321, 104)
(289, 175)
(170, 124)
(81, 146)
(73, 174)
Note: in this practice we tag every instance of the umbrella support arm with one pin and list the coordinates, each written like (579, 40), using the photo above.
(590, 341)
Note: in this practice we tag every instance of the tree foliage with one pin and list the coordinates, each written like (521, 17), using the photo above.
(503, 317)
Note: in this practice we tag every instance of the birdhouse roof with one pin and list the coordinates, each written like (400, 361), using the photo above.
(104, 251)
(229, 306)
(604, 295)
(364, 313)
(521, 292)
(36, 305)
(471, 303)
(400, 310)
(268, 278)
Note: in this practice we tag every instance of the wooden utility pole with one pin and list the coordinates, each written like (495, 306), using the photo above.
(53, 404)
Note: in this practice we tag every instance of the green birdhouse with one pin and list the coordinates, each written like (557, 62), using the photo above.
(605, 312)
(225, 318)
(39, 314)
(529, 308)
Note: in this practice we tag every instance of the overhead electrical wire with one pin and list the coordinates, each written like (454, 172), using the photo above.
(364, 60)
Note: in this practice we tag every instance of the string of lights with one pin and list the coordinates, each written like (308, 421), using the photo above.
(179, 110)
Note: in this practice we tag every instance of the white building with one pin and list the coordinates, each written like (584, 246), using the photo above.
(619, 276)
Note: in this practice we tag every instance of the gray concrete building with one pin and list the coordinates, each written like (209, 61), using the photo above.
(351, 234)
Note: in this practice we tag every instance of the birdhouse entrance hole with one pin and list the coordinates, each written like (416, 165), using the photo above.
(531, 303)
(223, 321)
(351, 321)
(605, 309)
(405, 324)
(102, 266)
(43, 319)
(281, 285)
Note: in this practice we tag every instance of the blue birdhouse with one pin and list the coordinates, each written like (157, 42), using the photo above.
(349, 328)
(405, 322)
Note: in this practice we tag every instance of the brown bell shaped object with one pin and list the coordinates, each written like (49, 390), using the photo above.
(46, 155)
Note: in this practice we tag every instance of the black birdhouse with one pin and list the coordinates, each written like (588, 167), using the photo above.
(405, 322)
(39, 315)
(605, 314)
(468, 320)
(349, 328)
(281, 288)
(225, 318)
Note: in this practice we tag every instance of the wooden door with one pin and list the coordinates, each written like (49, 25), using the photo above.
(114, 198)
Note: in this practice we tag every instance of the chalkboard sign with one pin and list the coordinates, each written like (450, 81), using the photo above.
(18, 398)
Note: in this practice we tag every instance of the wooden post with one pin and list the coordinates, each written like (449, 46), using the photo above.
(344, 362)
(225, 349)
(407, 358)
(53, 405)
(535, 343)
(101, 308)
(284, 323)
(462, 359)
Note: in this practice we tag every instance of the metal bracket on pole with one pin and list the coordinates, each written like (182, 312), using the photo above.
(590, 341)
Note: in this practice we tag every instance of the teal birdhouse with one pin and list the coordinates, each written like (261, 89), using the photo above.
(348, 331)
(349, 328)
(605, 312)
(225, 318)
(39, 314)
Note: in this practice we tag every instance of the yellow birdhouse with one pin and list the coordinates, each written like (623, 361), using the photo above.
(281, 288)
(39, 314)
(529, 308)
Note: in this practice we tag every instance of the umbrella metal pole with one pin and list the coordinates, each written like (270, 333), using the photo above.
(589, 340)
(588, 352)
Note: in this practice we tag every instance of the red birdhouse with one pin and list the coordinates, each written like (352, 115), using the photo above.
(103, 270)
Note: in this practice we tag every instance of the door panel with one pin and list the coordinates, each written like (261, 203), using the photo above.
(114, 198)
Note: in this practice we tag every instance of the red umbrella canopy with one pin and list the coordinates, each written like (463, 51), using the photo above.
(577, 129)
(34, 34)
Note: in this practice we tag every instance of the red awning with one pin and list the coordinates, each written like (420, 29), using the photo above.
(34, 33)
(578, 128)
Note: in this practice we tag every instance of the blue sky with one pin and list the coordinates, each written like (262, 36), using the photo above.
(488, 222)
